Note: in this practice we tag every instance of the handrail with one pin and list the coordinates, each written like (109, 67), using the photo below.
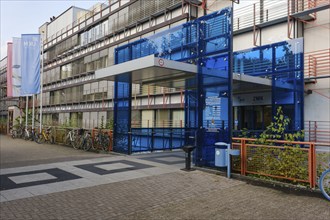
(276, 141)
(268, 160)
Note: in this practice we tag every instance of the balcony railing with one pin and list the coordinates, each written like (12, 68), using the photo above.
(317, 131)
(317, 64)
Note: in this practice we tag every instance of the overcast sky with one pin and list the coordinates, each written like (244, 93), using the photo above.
(26, 16)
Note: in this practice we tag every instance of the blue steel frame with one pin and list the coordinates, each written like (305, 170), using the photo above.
(199, 42)
(283, 63)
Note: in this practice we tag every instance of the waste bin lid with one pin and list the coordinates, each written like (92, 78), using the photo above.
(221, 144)
(188, 148)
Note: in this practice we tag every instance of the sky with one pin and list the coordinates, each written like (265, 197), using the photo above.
(26, 16)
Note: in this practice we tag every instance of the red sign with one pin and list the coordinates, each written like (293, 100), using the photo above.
(161, 62)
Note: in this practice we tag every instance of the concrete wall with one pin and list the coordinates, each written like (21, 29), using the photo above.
(316, 37)
(317, 104)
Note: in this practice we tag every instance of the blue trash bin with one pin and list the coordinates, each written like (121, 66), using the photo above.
(220, 154)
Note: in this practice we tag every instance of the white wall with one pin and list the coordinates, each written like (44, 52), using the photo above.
(273, 34)
(317, 104)
(16, 113)
(243, 41)
(60, 22)
(317, 37)
(147, 115)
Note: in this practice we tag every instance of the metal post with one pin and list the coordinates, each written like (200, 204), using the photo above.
(33, 109)
(228, 161)
(20, 116)
(26, 111)
(41, 81)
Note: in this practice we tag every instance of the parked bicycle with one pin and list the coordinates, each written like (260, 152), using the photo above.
(45, 136)
(29, 134)
(84, 140)
(18, 132)
(324, 183)
(101, 140)
(70, 138)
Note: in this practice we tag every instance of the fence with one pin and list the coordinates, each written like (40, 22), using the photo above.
(290, 161)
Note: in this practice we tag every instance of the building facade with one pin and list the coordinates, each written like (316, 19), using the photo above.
(80, 42)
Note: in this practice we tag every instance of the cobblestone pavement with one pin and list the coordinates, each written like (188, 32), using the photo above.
(149, 186)
(18, 152)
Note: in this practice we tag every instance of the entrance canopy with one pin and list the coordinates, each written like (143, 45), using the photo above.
(151, 70)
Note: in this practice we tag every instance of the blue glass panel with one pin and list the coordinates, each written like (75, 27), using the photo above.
(214, 88)
(141, 139)
(181, 42)
(257, 61)
(288, 55)
(283, 63)
(122, 113)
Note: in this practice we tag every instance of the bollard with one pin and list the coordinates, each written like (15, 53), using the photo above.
(188, 149)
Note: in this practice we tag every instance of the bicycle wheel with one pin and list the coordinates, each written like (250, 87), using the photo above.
(324, 184)
(87, 144)
(19, 133)
(13, 134)
(26, 136)
(37, 138)
(67, 141)
(76, 143)
(95, 143)
(105, 143)
(52, 139)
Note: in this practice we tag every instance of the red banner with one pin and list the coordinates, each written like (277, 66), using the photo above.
(9, 69)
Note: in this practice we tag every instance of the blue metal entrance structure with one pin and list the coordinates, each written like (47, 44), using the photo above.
(198, 57)
(207, 43)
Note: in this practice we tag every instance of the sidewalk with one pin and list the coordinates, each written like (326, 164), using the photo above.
(148, 186)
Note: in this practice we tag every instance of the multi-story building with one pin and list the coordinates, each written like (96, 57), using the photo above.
(8, 106)
(79, 42)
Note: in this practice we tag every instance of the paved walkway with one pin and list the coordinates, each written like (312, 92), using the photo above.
(147, 186)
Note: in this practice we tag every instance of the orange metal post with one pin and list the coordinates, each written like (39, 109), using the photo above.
(289, 20)
(181, 94)
(93, 135)
(163, 98)
(311, 165)
(111, 140)
(148, 96)
(255, 31)
(314, 165)
(243, 158)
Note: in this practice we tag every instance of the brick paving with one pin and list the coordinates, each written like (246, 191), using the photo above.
(174, 195)
(18, 152)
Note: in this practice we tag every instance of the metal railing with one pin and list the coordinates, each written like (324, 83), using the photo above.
(283, 160)
(317, 131)
(157, 124)
(296, 6)
(317, 64)
(268, 11)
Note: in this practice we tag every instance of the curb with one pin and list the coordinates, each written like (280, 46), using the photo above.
(284, 187)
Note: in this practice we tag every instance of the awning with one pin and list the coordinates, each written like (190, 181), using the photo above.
(151, 70)
(156, 71)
